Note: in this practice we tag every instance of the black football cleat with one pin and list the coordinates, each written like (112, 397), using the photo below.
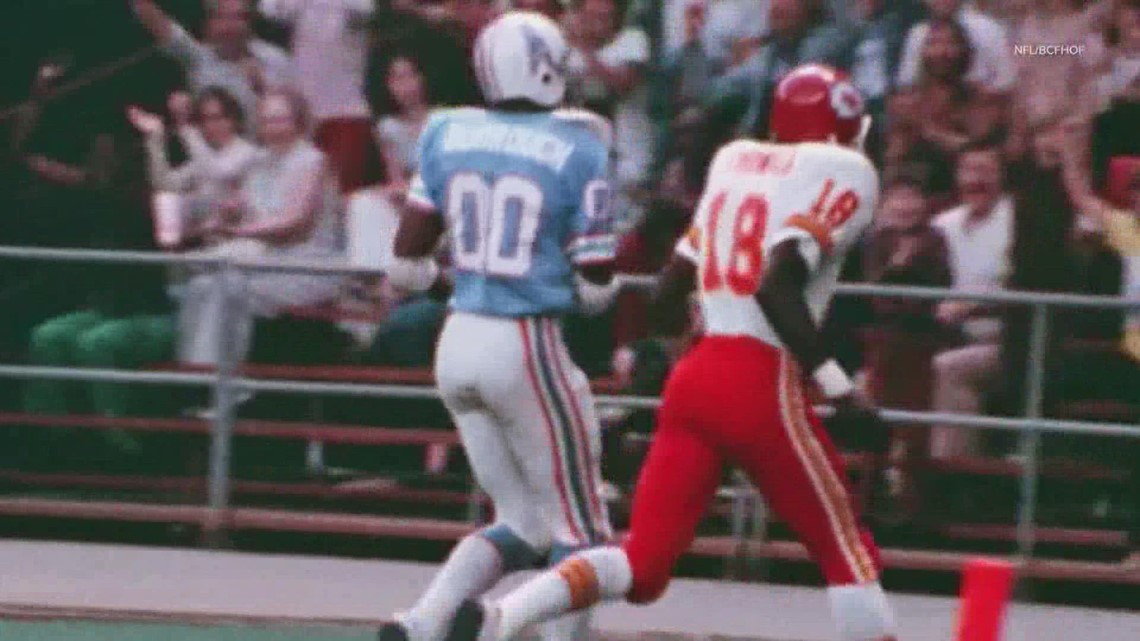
(468, 622)
(392, 632)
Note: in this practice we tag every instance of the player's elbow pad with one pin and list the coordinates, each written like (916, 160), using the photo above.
(593, 299)
(413, 274)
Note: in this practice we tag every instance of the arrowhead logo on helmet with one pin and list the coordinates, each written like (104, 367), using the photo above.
(846, 100)
(815, 103)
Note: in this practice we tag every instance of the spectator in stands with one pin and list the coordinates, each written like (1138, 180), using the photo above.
(373, 214)
(1121, 227)
(735, 30)
(228, 57)
(606, 71)
(123, 321)
(688, 71)
(905, 249)
(288, 208)
(729, 27)
(875, 58)
(460, 19)
(944, 110)
(1047, 255)
(46, 159)
(1063, 22)
(798, 33)
(878, 48)
(992, 65)
(330, 51)
(905, 146)
(1122, 231)
(944, 93)
(931, 120)
(439, 44)
(1123, 68)
(694, 143)
(979, 234)
(407, 104)
(1115, 132)
(219, 159)
(988, 116)
(683, 82)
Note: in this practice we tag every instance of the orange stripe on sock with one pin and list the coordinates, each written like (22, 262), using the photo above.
(582, 580)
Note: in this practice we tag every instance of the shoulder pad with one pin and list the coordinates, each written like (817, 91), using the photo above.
(591, 121)
(449, 113)
(837, 153)
(743, 144)
(728, 149)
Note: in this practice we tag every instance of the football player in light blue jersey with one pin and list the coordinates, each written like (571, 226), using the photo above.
(521, 191)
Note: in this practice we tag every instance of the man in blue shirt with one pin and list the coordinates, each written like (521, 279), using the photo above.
(521, 189)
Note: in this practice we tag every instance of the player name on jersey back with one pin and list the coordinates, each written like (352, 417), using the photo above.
(525, 199)
(759, 195)
(517, 140)
(776, 161)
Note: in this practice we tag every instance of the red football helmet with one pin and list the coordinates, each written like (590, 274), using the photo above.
(815, 103)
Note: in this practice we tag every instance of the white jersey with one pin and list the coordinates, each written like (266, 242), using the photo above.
(760, 194)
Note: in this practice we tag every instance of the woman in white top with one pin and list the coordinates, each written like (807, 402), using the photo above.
(288, 207)
(373, 214)
(219, 158)
(398, 132)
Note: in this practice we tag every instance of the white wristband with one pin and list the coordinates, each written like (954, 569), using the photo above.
(594, 299)
(832, 380)
(413, 274)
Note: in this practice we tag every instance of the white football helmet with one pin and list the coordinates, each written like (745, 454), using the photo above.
(522, 55)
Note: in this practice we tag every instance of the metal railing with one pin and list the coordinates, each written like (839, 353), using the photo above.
(227, 383)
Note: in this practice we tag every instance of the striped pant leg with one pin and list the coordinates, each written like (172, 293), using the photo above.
(555, 435)
(803, 478)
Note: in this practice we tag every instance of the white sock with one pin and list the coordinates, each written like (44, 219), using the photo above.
(570, 627)
(615, 576)
(540, 599)
(601, 574)
(473, 567)
(861, 612)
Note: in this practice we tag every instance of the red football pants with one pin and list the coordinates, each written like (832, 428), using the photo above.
(735, 400)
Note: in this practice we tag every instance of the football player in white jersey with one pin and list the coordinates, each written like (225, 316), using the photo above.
(764, 253)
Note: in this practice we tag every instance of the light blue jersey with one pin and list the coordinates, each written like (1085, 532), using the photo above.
(526, 199)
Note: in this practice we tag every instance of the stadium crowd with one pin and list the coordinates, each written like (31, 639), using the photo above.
(1006, 133)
